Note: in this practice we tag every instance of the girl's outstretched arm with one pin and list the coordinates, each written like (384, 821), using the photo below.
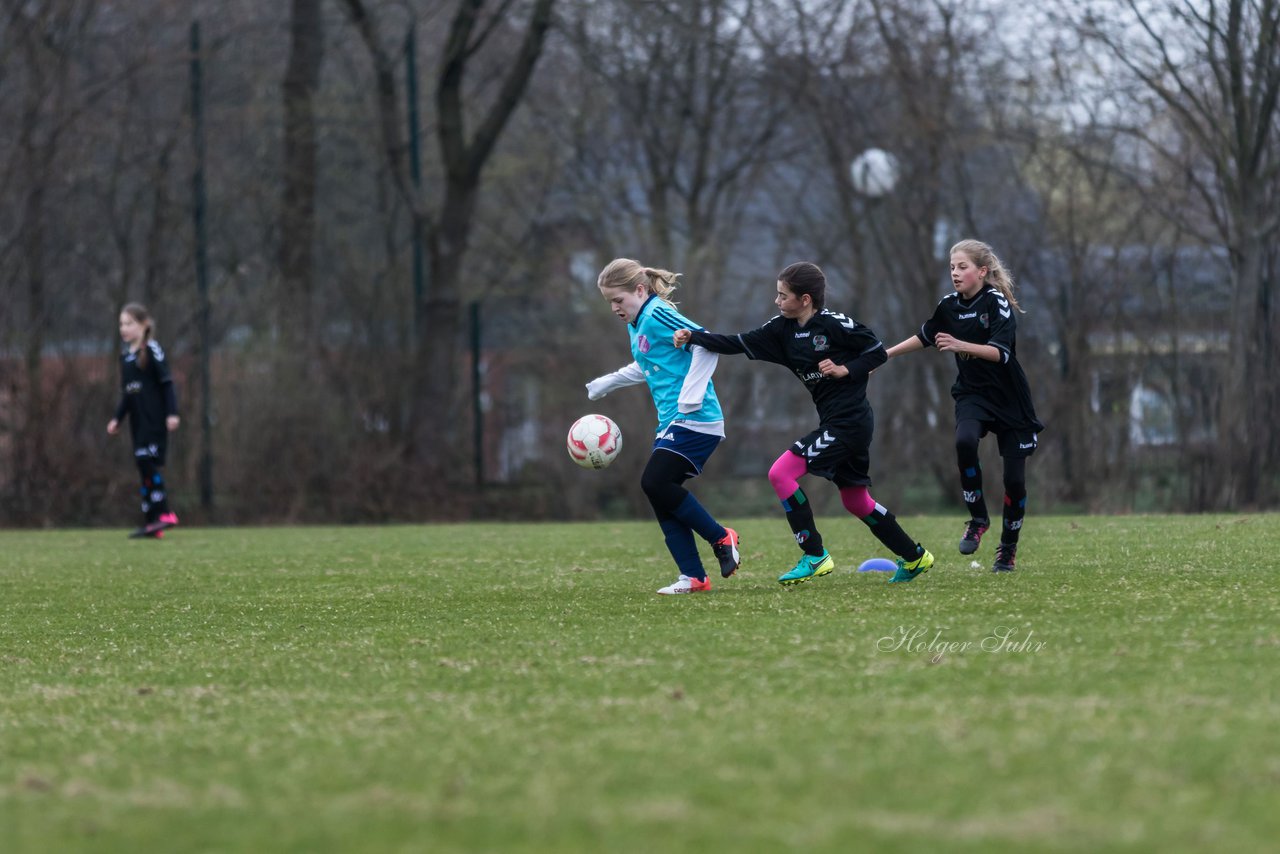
(632, 374)
(909, 345)
(725, 344)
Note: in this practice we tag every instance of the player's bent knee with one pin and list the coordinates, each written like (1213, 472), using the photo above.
(857, 500)
(784, 475)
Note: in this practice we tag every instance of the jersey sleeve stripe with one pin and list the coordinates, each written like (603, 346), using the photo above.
(669, 320)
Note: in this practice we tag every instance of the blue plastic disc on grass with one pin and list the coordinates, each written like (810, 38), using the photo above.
(878, 564)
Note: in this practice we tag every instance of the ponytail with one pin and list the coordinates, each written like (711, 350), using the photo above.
(997, 276)
(626, 273)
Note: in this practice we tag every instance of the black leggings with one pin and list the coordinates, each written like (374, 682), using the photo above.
(662, 482)
(968, 433)
(155, 499)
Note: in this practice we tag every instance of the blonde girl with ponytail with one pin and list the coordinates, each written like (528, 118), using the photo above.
(977, 323)
(690, 422)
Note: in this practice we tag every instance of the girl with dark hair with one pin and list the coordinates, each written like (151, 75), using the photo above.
(832, 355)
(149, 401)
(978, 324)
(690, 424)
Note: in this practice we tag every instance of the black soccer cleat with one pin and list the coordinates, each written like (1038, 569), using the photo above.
(1005, 556)
(151, 530)
(973, 531)
(726, 551)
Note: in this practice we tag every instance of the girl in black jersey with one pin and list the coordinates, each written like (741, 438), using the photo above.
(150, 403)
(978, 323)
(832, 355)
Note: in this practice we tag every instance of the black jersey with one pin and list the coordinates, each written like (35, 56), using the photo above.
(1002, 386)
(830, 335)
(147, 395)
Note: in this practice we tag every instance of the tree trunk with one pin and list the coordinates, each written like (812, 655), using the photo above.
(298, 201)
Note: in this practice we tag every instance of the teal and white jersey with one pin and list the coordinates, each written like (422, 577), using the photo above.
(670, 372)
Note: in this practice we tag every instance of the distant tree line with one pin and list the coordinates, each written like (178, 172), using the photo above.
(407, 203)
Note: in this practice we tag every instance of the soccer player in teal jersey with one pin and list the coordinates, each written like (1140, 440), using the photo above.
(690, 423)
(832, 354)
(978, 324)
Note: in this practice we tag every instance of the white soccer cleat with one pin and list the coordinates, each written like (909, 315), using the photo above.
(685, 584)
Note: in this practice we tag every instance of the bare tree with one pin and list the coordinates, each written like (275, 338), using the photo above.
(446, 223)
(298, 200)
(44, 37)
(675, 157)
(1210, 81)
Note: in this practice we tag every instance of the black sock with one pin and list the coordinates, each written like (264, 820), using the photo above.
(800, 518)
(884, 525)
(154, 501)
(968, 432)
(1015, 500)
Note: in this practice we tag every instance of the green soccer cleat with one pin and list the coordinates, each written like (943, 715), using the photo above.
(908, 571)
(809, 567)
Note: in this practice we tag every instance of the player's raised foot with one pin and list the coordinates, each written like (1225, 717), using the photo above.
(685, 584)
(907, 571)
(726, 551)
(170, 519)
(808, 567)
(151, 530)
(1006, 553)
(973, 531)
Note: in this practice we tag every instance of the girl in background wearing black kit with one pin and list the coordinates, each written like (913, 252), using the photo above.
(150, 402)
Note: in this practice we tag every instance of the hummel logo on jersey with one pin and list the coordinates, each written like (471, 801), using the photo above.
(843, 320)
(133, 387)
(802, 335)
(968, 316)
(1022, 446)
(820, 444)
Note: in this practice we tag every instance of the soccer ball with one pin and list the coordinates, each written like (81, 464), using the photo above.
(874, 172)
(594, 441)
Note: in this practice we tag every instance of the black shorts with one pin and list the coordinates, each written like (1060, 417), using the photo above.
(842, 455)
(1013, 441)
(153, 452)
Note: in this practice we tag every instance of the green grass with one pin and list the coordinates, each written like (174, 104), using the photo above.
(521, 688)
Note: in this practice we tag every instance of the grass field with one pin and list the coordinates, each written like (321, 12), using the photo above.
(521, 688)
